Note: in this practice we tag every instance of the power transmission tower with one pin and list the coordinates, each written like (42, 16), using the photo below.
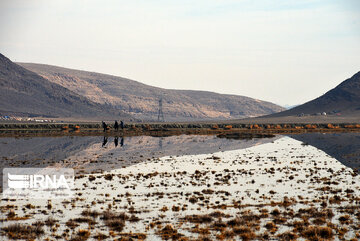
(161, 114)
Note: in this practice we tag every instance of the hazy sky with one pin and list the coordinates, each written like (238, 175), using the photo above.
(284, 51)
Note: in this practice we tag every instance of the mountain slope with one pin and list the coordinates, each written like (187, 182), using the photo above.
(26, 93)
(343, 100)
(142, 100)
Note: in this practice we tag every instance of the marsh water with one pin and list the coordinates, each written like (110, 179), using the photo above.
(115, 152)
(162, 181)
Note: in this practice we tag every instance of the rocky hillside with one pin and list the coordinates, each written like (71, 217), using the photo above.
(141, 100)
(343, 100)
(25, 93)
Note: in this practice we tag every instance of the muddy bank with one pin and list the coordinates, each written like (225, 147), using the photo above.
(169, 129)
(166, 126)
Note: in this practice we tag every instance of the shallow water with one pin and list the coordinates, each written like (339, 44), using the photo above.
(164, 181)
(107, 153)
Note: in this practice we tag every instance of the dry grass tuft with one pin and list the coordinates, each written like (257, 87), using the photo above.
(317, 233)
(23, 231)
(81, 235)
(244, 232)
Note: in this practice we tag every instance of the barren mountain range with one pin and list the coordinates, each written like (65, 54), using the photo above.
(25, 93)
(343, 100)
(44, 90)
(142, 101)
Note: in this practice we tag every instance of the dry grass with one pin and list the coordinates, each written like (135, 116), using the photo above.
(317, 233)
(23, 231)
(169, 232)
(244, 232)
(100, 236)
(199, 218)
(287, 236)
(90, 213)
(81, 235)
(50, 221)
(114, 221)
(271, 226)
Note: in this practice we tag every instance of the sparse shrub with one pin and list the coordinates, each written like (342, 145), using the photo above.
(316, 232)
(23, 231)
(100, 236)
(199, 218)
(92, 178)
(169, 232)
(275, 212)
(270, 226)
(164, 209)
(193, 199)
(245, 233)
(81, 235)
(215, 127)
(71, 224)
(330, 126)
(115, 224)
(134, 219)
(50, 221)
(287, 236)
(175, 208)
(108, 177)
(345, 219)
(90, 213)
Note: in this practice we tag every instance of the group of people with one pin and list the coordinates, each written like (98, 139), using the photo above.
(116, 125)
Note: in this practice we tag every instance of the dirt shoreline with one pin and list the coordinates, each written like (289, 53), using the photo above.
(169, 129)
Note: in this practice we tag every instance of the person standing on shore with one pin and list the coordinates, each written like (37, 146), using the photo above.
(104, 126)
(122, 125)
(116, 126)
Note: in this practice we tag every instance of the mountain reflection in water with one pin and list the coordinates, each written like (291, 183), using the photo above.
(111, 152)
(345, 147)
(97, 154)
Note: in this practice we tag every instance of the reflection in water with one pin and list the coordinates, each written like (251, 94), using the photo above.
(160, 142)
(116, 141)
(89, 153)
(105, 140)
(37, 149)
(345, 147)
